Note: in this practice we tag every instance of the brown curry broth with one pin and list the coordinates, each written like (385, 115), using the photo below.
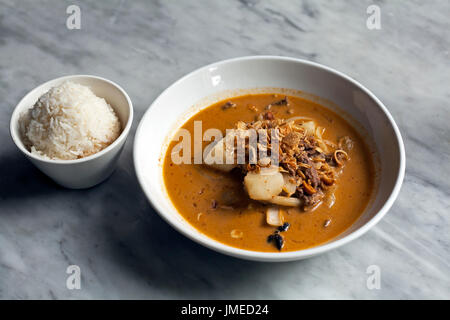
(192, 188)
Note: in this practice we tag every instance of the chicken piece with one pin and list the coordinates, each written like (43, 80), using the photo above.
(292, 139)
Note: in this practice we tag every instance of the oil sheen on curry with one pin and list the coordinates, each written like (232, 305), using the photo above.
(316, 187)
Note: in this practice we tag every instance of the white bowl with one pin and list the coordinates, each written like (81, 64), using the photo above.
(89, 171)
(218, 80)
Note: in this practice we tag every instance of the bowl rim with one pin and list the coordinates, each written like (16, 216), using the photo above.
(16, 114)
(217, 246)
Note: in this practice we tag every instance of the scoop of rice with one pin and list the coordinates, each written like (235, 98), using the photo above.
(69, 122)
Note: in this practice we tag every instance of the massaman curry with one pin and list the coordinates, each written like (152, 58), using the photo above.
(317, 186)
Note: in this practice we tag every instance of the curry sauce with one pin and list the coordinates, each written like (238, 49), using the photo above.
(217, 204)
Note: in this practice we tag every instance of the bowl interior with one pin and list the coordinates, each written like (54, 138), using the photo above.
(232, 77)
(103, 88)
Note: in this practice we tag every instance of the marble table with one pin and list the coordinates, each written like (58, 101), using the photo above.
(123, 248)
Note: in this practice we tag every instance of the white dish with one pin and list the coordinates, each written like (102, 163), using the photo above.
(208, 84)
(89, 171)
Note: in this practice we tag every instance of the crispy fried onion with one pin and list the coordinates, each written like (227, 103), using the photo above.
(337, 157)
(308, 168)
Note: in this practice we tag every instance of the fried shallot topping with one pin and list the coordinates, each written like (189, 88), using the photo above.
(309, 164)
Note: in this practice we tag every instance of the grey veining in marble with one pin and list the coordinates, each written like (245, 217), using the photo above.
(123, 248)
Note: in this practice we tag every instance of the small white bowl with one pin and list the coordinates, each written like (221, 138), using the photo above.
(208, 84)
(89, 171)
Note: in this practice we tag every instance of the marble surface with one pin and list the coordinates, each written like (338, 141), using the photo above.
(123, 248)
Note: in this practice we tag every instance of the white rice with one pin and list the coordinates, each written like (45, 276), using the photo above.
(69, 122)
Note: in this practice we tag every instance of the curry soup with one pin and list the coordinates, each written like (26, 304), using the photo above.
(331, 188)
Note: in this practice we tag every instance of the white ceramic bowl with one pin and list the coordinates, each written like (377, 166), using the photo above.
(208, 84)
(89, 171)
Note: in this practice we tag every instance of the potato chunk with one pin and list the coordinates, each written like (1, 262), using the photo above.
(265, 184)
